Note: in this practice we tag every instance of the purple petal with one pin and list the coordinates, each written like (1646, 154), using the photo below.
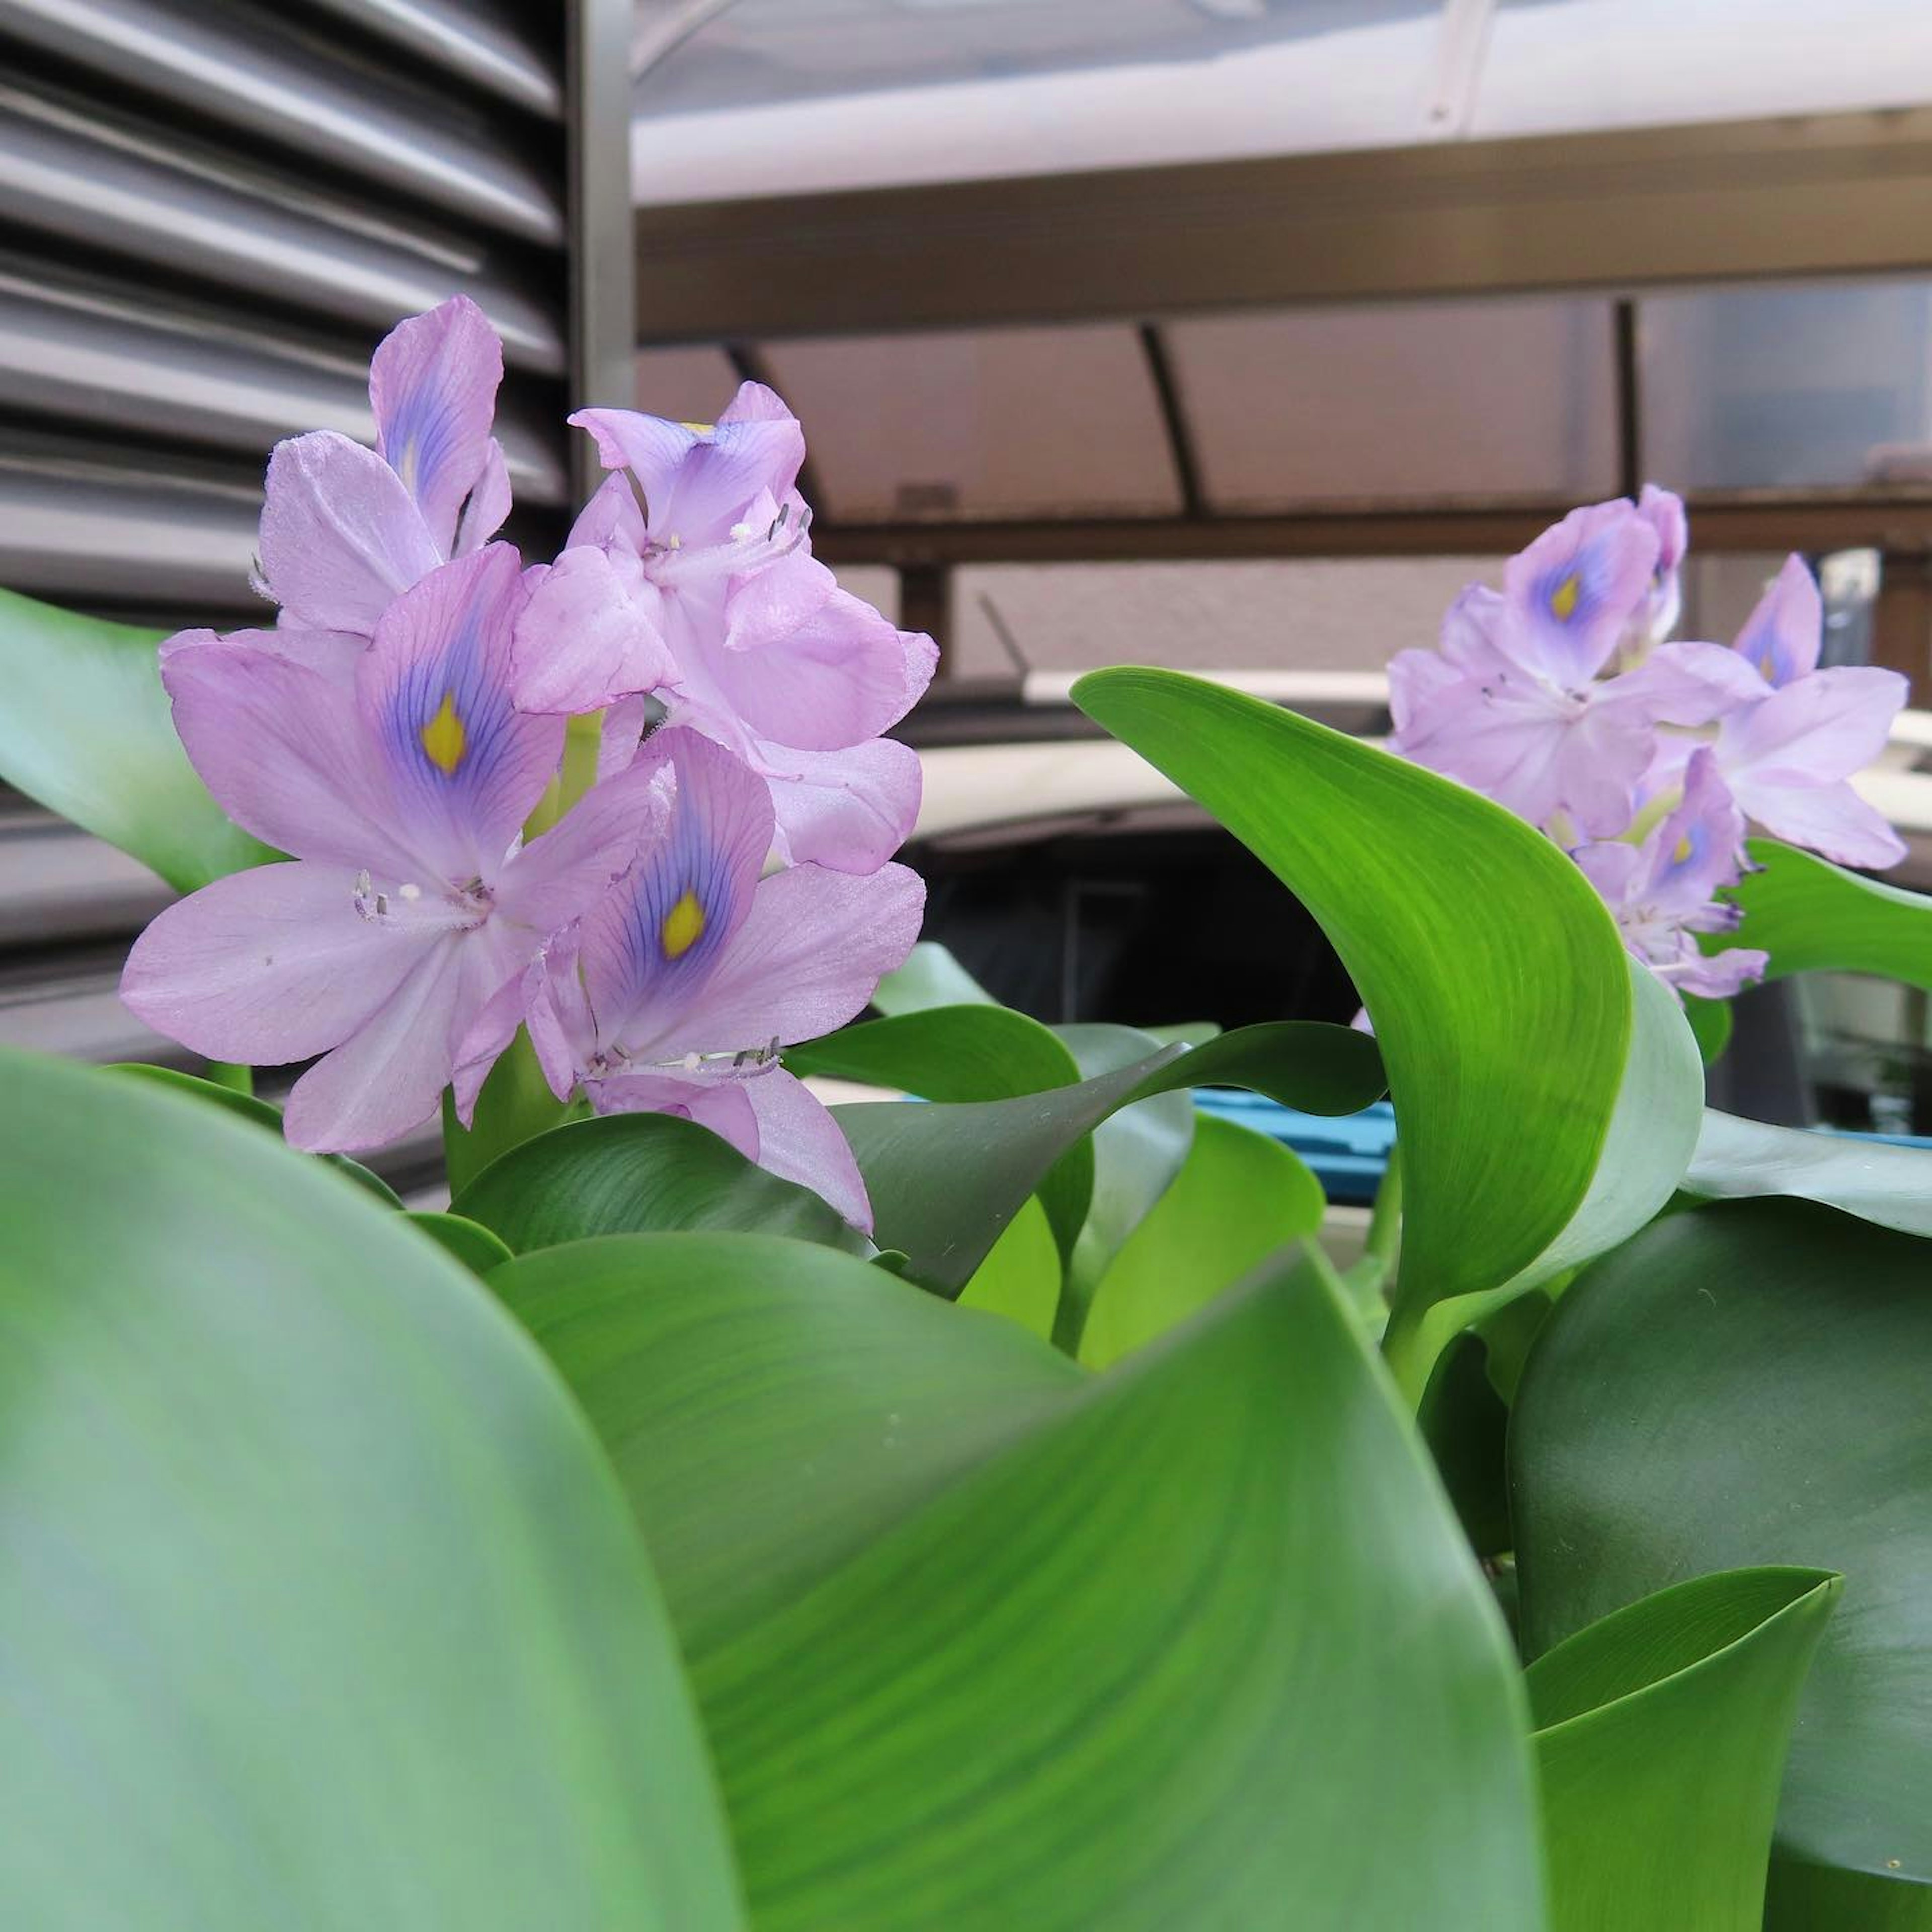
(1781, 638)
(334, 654)
(1683, 684)
(388, 1076)
(340, 538)
(611, 520)
(1663, 510)
(1830, 819)
(1821, 728)
(1719, 975)
(267, 966)
(1699, 847)
(805, 664)
(623, 733)
(649, 945)
(284, 752)
(720, 1103)
(849, 810)
(697, 485)
(798, 1140)
(1573, 592)
(1470, 628)
(563, 875)
(489, 503)
(432, 384)
(586, 637)
(1415, 678)
(808, 958)
(466, 767)
(1615, 869)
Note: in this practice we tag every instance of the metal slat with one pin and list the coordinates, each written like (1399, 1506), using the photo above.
(232, 67)
(148, 193)
(485, 42)
(59, 886)
(100, 353)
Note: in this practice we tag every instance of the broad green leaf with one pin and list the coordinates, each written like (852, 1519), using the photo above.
(1661, 1734)
(930, 977)
(1466, 1423)
(1046, 1649)
(1152, 1665)
(1239, 1197)
(771, 1406)
(246, 1107)
(1737, 1159)
(1821, 1898)
(1493, 972)
(1021, 1275)
(319, 1606)
(470, 1242)
(86, 729)
(1745, 1385)
(1812, 916)
(962, 1053)
(1137, 1153)
(629, 1173)
(515, 1105)
(945, 1179)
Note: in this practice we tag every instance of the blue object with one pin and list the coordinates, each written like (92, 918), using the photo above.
(1347, 1154)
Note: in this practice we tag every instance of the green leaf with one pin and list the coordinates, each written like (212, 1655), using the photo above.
(771, 1406)
(1738, 1159)
(1239, 1197)
(246, 1107)
(1818, 1898)
(514, 1105)
(965, 1053)
(1739, 1385)
(945, 1179)
(629, 1173)
(87, 731)
(1021, 1275)
(1465, 1421)
(1810, 915)
(1710, 1023)
(319, 1606)
(1477, 945)
(1137, 1153)
(930, 977)
(1121, 1650)
(1660, 1741)
(470, 1242)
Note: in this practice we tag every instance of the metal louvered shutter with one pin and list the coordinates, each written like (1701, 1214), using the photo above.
(211, 211)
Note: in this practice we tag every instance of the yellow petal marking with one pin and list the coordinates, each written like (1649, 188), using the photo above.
(1768, 663)
(444, 739)
(1563, 599)
(700, 429)
(683, 926)
(1682, 851)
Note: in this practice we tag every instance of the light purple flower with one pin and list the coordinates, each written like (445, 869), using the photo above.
(676, 990)
(1663, 891)
(709, 597)
(401, 790)
(1792, 735)
(345, 530)
(1505, 706)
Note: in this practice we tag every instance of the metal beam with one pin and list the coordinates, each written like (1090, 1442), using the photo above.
(1897, 525)
(1805, 196)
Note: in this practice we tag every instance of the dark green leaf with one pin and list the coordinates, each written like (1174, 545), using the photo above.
(515, 1105)
(470, 1241)
(1475, 944)
(1740, 1385)
(1661, 1738)
(246, 1107)
(1081, 1652)
(319, 1607)
(86, 729)
(1710, 1023)
(946, 1179)
(630, 1173)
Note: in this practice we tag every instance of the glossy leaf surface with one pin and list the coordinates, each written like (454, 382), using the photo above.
(639, 1174)
(1810, 915)
(1661, 1734)
(1737, 1159)
(1474, 942)
(1744, 1384)
(319, 1606)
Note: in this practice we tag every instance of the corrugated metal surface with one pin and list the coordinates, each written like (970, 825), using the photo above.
(210, 212)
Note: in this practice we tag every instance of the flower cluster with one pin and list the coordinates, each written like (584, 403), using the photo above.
(1559, 698)
(464, 860)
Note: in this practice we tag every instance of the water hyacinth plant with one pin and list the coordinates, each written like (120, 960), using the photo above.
(998, 1511)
